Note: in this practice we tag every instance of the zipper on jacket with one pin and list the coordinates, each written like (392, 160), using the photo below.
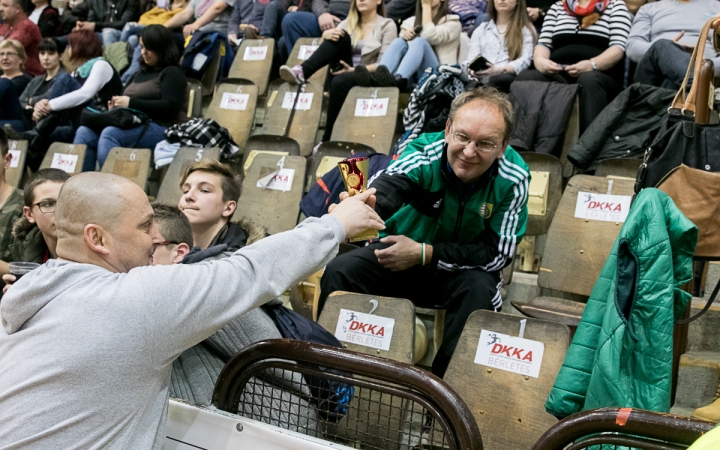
(458, 223)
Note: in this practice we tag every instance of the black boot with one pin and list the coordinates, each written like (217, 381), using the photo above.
(362, 76)
(401, 83)
(383, 77)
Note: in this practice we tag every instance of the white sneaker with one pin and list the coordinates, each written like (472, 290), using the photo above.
(293, 75)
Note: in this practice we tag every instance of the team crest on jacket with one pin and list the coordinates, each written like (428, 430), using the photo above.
(486, 210)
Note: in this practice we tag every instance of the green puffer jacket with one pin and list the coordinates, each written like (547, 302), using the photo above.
(621, 355)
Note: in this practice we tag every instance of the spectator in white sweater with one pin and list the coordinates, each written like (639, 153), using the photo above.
(428, 39)
(506, 41)
(663, 36)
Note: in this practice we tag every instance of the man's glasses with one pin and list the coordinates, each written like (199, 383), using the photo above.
(46, 206)
(4, 54)
(482, 146)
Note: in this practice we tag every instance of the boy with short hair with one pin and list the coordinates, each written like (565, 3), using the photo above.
(210, 193)
(175, 229)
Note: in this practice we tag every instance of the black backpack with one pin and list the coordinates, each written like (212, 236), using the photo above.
(331, 398)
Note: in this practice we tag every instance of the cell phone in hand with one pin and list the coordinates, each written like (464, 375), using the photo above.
(479, 63)
(563, 66)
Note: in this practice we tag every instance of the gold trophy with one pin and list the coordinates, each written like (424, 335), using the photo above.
(354, 173)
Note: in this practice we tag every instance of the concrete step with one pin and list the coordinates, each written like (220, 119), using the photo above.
(697, 379)
(704, 333)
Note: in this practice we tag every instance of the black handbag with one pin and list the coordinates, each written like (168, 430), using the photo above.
(684, 158)
(124, 118)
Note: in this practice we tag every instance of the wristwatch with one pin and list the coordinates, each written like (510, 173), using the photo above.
(594, 66)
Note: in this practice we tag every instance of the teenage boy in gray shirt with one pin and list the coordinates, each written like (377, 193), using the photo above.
(88, 340)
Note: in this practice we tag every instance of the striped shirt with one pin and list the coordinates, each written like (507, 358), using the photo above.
(561, 29)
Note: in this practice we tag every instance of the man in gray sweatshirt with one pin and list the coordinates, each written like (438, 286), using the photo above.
(88, 340)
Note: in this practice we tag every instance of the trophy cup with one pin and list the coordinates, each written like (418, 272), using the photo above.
(354, 172)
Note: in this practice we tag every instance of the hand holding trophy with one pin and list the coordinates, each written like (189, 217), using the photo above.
(355, 172)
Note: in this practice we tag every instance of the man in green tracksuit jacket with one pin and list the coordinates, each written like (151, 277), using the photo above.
(454, 211)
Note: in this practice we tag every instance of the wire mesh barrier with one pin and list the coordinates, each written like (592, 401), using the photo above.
(357, 400)
(622, 428)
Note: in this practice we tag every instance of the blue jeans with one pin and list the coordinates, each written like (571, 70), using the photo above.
(99, 146)
(110, 36)
(131, 34)
(298, 25)
(409, 59)
(272, 20)
(134, 67)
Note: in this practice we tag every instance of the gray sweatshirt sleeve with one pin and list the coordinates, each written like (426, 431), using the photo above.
(640, 35)
(184, 304)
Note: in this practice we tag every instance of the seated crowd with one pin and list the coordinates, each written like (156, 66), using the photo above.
(452, 208)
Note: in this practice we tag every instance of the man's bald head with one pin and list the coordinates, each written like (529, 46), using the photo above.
(92, 198)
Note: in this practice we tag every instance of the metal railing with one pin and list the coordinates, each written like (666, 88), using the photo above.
(393, 406)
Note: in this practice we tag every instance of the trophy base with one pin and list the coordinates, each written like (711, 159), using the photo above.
(365, 235)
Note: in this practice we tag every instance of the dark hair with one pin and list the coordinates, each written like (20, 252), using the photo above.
(488, 95)
(49, 45)
(85, 45)
(40, 177)
(160, 41)
(229, 183)
(173, 225)
(3, 143)
(441, 12)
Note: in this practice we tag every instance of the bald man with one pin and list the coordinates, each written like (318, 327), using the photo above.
(88, 340)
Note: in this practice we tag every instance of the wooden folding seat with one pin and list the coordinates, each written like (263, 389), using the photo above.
(210, 76)
(194, 98)
(303, 49)
(276, 210)
(509, 407)
(170, 191)
(368, 117)
(67, 157)
(14, 171)
(544, 195)
(618, 168)
(253, 62)
(572, 135)
(131, 163)
(233, 107)
(575, 251)
(304, 121)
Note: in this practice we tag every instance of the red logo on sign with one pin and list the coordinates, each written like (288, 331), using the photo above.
(512, 352)
(367, 328)
(605, 206)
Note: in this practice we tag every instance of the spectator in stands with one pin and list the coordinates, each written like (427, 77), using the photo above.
(210, 15)
(506, 41)
(17, 26)
(77, 10)
(471, 13)
(33, 234)
(456, 202)
(13, 81)
(210, 194)
(246, 19)
(95, 318)
(53, 83)
(131, 33)
(662, 39)
(46, 18)
(433, 41)
(175, 235)
(58, 118)
(158, 90)
(358, 41)
(582, 41)
(108, 17)
(11, 205)
(326, 15)
(275, 12)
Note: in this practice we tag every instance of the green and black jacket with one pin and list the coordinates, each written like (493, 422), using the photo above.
(473, 227)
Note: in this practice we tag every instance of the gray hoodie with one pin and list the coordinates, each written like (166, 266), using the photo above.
(86, 354)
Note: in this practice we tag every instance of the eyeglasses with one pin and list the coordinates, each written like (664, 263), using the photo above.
(483, 146)
(46, 206)
(4, 54)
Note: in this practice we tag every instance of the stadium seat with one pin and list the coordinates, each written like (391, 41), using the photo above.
(618, 168)
(170, 191)
(572, 135)
(14, 173)
(67, 157)
(304, 47)
(253, 62)
(233, 107)
(368, 117)
(194, 98)
(509, 407)
(210, 76)
(131, 163)
(276, 210)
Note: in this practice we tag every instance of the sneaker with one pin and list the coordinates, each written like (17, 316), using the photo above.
(383, 77)
(293, 75)
(362, 76)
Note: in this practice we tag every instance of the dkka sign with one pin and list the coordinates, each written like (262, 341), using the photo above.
(510, 353)
(363, 329)
(608, 208)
